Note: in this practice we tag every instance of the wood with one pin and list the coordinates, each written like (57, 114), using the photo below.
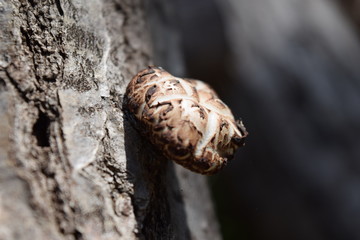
(70, 167)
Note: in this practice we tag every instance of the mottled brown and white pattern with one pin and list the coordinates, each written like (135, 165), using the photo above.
(184, 119)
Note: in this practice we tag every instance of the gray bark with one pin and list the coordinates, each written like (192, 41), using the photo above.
(70, 166)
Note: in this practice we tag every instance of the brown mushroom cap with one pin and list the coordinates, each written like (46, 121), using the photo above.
(184, 119)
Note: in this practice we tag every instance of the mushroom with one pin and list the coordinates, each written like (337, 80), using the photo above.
(184, 119)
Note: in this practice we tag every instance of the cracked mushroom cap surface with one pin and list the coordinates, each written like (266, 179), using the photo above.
(184, 119)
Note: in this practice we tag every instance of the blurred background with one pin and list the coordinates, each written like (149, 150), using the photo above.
(291, 70)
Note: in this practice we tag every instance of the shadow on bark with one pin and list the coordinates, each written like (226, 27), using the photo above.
(157, 199)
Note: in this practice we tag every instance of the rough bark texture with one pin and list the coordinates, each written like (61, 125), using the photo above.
(70, 167)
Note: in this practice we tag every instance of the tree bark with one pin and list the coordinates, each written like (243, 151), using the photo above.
(70, 166)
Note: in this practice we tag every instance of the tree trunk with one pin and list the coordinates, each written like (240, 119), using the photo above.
(70, 166)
